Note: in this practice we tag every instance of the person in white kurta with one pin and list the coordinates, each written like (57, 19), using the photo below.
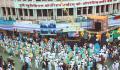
(28, 60)
(117, 65)
(49, 66)
(1, 68)
(83, 64)
(113, 66)
(21, 57)
(99, 66)
(56, 66)
(37, 62)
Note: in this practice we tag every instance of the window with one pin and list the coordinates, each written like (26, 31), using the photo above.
(50, 12)
(44, 12)
(29, 0)
(20, 12)
(97, 9)
(38, 0)
(107, 7)
(65, 12)
(13, 11)
(84, 10)
(117, 5)
(59, 12)
(39, 12)
(8, 9)
(3, 10)
(70, 11)
(78, 11)
(30, 12)
(44, 0)
(113, 6)
(25, 12)
(90, 10)
(102, 8)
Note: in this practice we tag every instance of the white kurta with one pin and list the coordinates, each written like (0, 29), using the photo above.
(117, 66)
(36, 63)
(99, 66)
(49, 66)
(56, 66)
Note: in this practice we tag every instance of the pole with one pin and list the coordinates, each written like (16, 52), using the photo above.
(13, 33)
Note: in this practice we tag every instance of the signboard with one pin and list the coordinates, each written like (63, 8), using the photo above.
(59, 4)
(73, 34)
(48, 28)
(113, 22)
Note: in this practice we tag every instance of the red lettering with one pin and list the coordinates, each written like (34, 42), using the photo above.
(93, 2)
(96, 2)
(105, 1)
(39, 5)
(46, 5)
(67, 4)
(27, 5)
(63, 4)
(78, 3)
(90, 2)
(73, 4)
(35, 5)
(31, 5)
(84, 3)
(22, 5)
(109, 0)
(52, 5)
(101, 1)
(58, 5)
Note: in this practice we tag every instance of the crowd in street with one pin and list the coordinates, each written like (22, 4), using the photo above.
(54, 54)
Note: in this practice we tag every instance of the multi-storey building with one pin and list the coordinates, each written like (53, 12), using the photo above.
(56, 9)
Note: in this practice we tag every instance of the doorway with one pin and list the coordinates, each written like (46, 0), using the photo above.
(97, 26)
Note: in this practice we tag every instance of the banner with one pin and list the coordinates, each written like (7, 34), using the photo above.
(59, 4)
(73, 34)
(48, 27)
(7, 22)
(113, 22)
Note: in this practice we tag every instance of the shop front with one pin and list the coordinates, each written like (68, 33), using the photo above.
(100, 23)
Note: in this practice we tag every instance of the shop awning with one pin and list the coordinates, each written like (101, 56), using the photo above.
(7, 24)
(26, 26)
(95, 17)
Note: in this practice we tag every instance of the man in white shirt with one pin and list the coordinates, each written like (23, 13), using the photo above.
(117, 65)
(113, 66)
(49, 65)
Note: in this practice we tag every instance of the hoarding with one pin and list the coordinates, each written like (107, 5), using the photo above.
(60, 4)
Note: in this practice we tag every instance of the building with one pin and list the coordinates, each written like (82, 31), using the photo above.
(55, 9)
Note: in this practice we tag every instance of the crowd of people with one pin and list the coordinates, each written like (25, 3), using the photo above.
(53, 54)
(9, 65)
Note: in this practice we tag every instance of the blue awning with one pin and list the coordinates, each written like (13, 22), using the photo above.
(26, 26)
(7, 22)
(113, 22)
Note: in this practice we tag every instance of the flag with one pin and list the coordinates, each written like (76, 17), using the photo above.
(108, 35)
(98, 36)
(96, 48)
(82, 33)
